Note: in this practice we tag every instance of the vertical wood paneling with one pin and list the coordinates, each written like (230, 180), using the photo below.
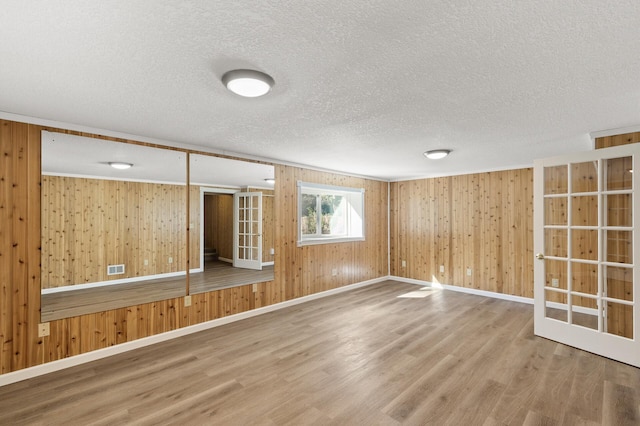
(218, 231)
(308, 269)
(482, 222)
(617, 140)
(298, 270)
(92, 223)
(19, 247)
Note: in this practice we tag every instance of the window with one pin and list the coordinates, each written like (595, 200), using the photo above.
(329, 214)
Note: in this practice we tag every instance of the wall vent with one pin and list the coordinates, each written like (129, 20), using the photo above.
(115, 269)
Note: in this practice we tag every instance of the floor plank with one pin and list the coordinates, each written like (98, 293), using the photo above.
(365, 356)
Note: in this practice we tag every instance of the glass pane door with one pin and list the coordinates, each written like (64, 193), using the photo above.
(247, 247)
(585, 294)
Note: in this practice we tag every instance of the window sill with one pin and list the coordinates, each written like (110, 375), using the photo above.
(316, 241)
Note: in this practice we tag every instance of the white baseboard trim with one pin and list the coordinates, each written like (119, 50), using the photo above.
(116, 282)
(477, 292)
(39, 370)
(268, 263)
(224, 259)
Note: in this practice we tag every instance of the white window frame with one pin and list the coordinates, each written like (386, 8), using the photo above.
(355, 220)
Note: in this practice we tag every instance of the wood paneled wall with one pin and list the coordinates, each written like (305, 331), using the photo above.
(88, 224)
(218, 231)
(617, 140)
(20, 346)
(306, 270)
(299, 270)
(482, 222)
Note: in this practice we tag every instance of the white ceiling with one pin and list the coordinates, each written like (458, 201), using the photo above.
(361, 87)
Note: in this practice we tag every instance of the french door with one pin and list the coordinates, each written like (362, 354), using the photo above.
(247, 230)
(587, 248)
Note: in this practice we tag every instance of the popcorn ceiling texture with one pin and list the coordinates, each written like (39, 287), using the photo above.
(361, 87)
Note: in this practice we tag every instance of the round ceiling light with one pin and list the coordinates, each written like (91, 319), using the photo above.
(248, 83)
(270, 181)
(120, 166)
(437, 154)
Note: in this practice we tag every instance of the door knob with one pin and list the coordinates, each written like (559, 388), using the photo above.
(540, 256)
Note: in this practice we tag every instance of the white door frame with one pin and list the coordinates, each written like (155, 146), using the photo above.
(598, 342)
(207, 190)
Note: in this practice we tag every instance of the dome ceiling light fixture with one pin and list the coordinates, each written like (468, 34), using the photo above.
(120, 165)
(248, 83)
(436, 154)
(270, 181)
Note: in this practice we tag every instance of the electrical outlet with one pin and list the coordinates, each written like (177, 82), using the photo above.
(272, 251)
(441, 269)
(404, 263)
(555, 282)
(468, 272)
(171, 260)
(146, 262)
(43, 329)
(187, 301)
(255, 288)
(334, 272)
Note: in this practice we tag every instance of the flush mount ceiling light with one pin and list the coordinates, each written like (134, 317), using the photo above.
(270, 181)
(119, 165)
(248, 83)
(437, 154)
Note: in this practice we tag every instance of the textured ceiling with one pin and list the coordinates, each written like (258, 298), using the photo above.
(361, 87)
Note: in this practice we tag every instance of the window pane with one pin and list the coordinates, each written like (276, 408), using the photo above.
(555, 211)
(555, 242)
(619, 248)
(620, 319)
(619, 212)
(618, 174)
(584, 211)
(555, 305)
(584, 177)
(333, 215)
(555, 180)
(309, 217)
(619, 283)
(584, 244)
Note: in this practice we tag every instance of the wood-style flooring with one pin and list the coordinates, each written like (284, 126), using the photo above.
(362, 357)
(217, 275)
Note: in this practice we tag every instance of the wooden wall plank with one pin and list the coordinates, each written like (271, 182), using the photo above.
(7, 148)
(479, 221)
(617, 140)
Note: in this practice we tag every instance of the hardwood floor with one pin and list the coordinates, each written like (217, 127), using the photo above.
(217, 275)
(362, 357)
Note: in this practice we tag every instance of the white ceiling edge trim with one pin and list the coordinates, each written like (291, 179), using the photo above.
(103, 132)
(471, 172)
(613, 132)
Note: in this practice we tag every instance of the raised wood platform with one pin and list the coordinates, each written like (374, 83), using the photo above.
(217, 275)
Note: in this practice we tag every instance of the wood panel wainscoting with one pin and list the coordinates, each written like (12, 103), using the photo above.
(298, 271)
(363, 357)
(479, 227)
